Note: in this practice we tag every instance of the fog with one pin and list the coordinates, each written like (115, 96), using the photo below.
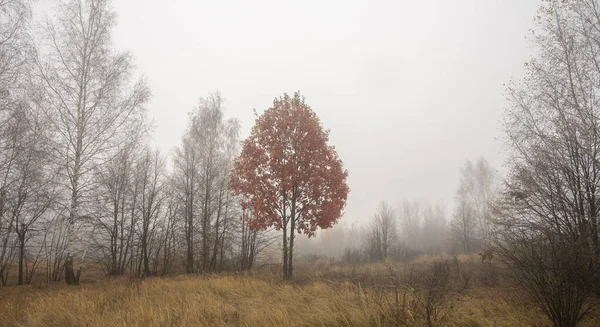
(409, 89)
(436, 150)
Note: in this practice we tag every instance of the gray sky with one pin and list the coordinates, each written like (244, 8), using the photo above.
(409, 89)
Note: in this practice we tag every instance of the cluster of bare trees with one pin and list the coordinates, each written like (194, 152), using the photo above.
(201, 174)
(414, 228)
(133, 222)
(27, 186)
(154, 221)
(79, 179)
(418, 227)
(423, 226)
(383, 232)
(88, 101)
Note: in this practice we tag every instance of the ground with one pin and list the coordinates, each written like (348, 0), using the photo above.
(322, 294)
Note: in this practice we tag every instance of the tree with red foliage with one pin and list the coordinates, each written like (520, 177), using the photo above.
(288, 175)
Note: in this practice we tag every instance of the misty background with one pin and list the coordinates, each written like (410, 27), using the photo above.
(409, 89)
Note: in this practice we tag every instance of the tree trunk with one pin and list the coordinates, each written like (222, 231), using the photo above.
(189, 266)
(205, 227)
(3, 279)
(21, 236)
(292, 233)
(69, 271)
(225, 219)
(245, 243)
(291, 255)
(252, 252)
(145, 258)
(285, 251)
(285, 221)
(70, 277)
(113, 242)
(122, 256)
(213, 262)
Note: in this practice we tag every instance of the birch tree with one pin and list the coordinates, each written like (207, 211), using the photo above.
(185, 176)
(90, 100)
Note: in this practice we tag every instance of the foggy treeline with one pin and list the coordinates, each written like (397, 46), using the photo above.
(80, 181)
(417, 227)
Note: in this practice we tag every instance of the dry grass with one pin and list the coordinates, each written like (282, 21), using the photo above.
(322, 295)
(188, 301)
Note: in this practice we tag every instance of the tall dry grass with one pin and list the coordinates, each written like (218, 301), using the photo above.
(190, 301)
(323, 294)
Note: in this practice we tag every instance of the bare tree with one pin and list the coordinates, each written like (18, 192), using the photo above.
(13, 129)
(89, 100)
(150, 169)
(548, 219)
(411, 223)
(471, 221)
(555, 271)
(214, 136)
(185, 178)
(169, 237)
(53, 245)
(434, 228)
(115, 230)
(252, 242)
(202, 165)
(25, 188)
(383, 232)
(464, 223)
(248, 246)
(14, 17)
(477, 182)
(33, 188)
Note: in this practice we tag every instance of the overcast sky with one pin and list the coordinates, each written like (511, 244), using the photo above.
(410, 89)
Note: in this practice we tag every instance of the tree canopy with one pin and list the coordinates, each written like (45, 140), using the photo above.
(287, 173)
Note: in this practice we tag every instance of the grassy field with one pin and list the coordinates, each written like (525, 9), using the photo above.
(322, 294)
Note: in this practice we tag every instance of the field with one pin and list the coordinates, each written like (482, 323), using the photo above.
(321, 294)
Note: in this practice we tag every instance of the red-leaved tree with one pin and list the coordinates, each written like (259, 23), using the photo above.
(288, 175)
